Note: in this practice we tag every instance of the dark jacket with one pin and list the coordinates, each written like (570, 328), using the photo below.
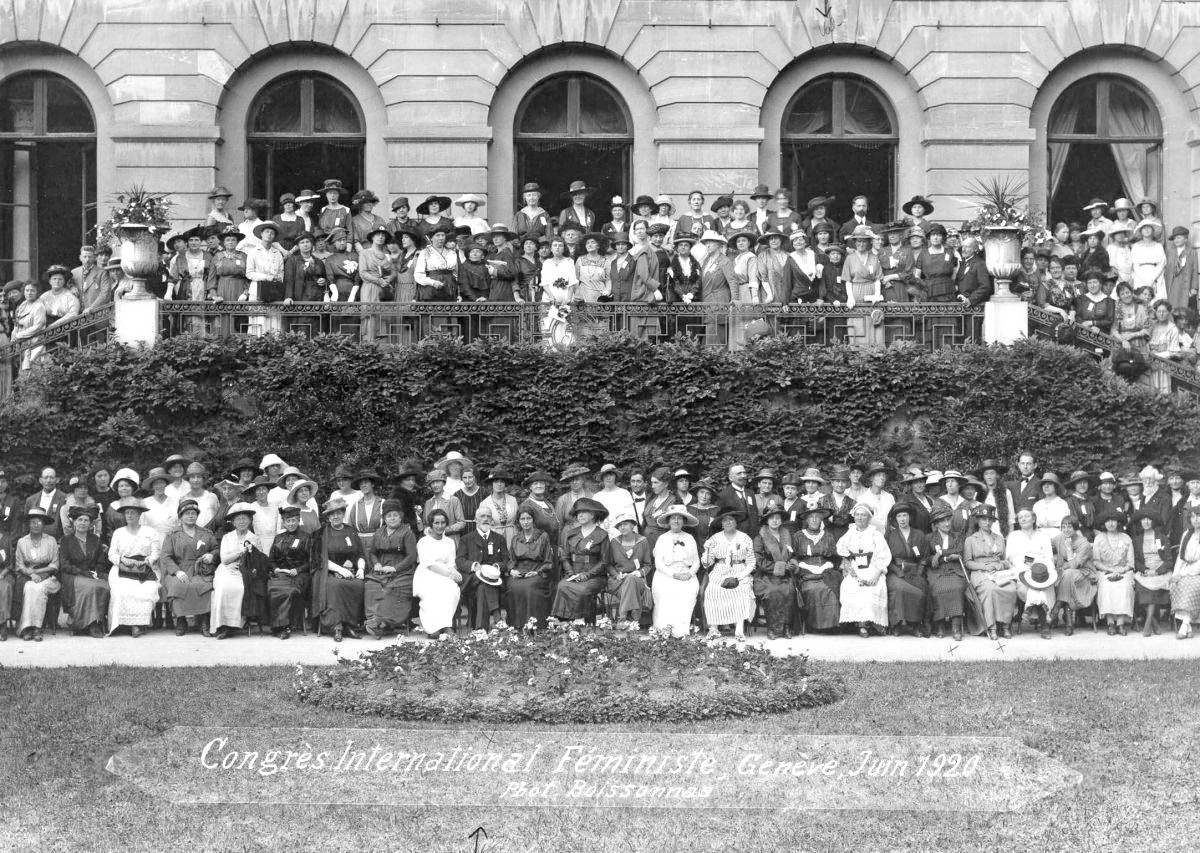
(679, 284)
(301, 282)
(53, 526)
(727, 498)
(973, 281)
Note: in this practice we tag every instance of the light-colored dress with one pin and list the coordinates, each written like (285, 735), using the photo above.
(865, 557)
(265, 524)
(1149, 261)
(1113, 555)
(438, 594)
(983, 554)
(1185, 580)
(131, 602)
(617, 501)
(42, 554)
(734, 558)
(1025, 549)
(228, 588)
(674, 599)
(593, 277)
(162, 516)
(504, 515)
(882, 504)
(1050, 512)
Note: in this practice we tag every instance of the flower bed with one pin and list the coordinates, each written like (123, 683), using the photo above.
(566, 677)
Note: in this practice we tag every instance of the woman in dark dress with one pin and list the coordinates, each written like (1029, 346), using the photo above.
(290, 565)
(545, 519)
(775, 574)
(585, 560)
(818, 574)
(934, 266)
(1153, 560)
(188, 561)
(1093, 309)
(705, 509)
(908, 590)
(337, 600)
(391, 563)
(530, 561)
(946, 574)
(1080, 502)
(83, 572)
(632, 560)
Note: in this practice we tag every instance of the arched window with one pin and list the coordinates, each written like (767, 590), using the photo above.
(574, 127)
(302, 129)
(47, 173)
(839, 138)
(1105, 141)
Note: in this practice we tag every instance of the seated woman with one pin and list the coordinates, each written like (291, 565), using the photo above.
(817, 574)
(37, 572)
(188, 560)
(990, 574)
(233, 580)
(585, 561)
(132, 580)
(729, 594)
(6, 580)
(1076, 574)
(290, 563)
(1029, 543)
(865, 558)
(776, 566)
(1112, 552)
(1038, 580)
(631, 562)
(947, 575)
(907, 586)
(337, 601)
(1185, 580)
(391, 562)
(676, 564)
(531, 561)
(83, 572)
(1153, 560)
(483, 561)
(436, 579)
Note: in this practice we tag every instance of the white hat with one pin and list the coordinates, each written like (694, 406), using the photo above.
(269, 460)
(465, 197)
(453, 456)
(664, 518)
(240, 508)
(128, 474)
(487, 574)
(712, 236)
(664, 199)
(624, 515)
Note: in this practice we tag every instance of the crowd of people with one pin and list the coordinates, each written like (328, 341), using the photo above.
(859, 548)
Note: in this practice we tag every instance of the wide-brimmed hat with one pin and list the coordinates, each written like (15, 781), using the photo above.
(877, 468)
(538, 476)
(333, 184)
(1123, 204)
(1038, 576)
(658, 228)
(823, 511)
(682, 474)
(903, 506)
(792, 478)
(531, 187)
(1120, 227)
(264, 225)
(92, 511)
(240, 508)
(1076, 476)
(799, 234)
(435, 475)
(307, 195)
(710, 236)
(913, 474)
(615, 238)
(1129, 478)
(220, 192)
(289, 471)
(500, 473)
(153, 474)
(409, 468)
(499, 229)
(575, 469)
(453, 456)
(664, 199)
(839, 472)
(1104, 515)
(623, 516)
(1096, 202)
(618, 201)
(367, 238)
(270, 459)
(335, 504)
(990, 464)
(705, 483)
(442, 201)
(719, 202)
(364, 196)
(643, 201)
(1153, 224)
(37, 512)
(895, 225)
(933, 478)
(861, 232)
(765, 474)
(608, 468)
(466, 197)
(684, 237)
(298, 485)
(984, 511)
(951, 474)
(58, 269)
(823, 226)
(130, 503)
(917, 199)
(974, 483)
(813, 475)
(940, 511)
(1097, 230)
(343, 472)
(914, 231)
(1180, 231)
(127, 474)
(1051, 477)
(487, 574)
(369, 474)
(766, 236)
(738, 515)
(1146, 201)
(761, 191)
(578, 187)
(176, 459)
(598, 510)
(771, 509)
(261, 481)
(820, 201)
(243, 464)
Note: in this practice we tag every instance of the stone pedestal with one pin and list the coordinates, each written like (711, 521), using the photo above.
(136, 321)
(1005, 318)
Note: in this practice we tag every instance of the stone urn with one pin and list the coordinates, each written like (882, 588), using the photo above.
(139, 257)
(1002, 254)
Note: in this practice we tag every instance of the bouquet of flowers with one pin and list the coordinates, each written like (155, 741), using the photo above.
(137, 206)
(1002, 203)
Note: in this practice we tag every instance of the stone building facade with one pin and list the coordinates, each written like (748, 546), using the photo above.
(886, 97)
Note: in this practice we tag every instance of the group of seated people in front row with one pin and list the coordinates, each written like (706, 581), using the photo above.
(865, 550)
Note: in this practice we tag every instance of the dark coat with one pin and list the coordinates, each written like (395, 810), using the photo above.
(1025, 495)
(300, 282)
(680, 284)
(727, 498)
(716, 283)
(53, 526)
(973, 281)
(568, 214)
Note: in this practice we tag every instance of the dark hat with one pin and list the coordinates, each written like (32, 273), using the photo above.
(288, 510)
(1038, 576)
(253, 485)
(391, 506)
(684, 237)
(156, 473)
(914, 474)
(185, 505)
(443, 226)
(721, 201)
(243, 464)
(761, 191)
(531, 187)
(539, 476)
(369, 474)
(304, 235)
(578, 187)
(896, 225)
(91, 511)
(600, 238)
(940, 511)
(220, 192)
(705, 483)
(936, 228)
(616, 238)
(400, 201)
(589, 505)
(410, 468)
(877, 468)
(177, 459)
(992, 465)
(903, 506)
(442, 201)
(232, 231)
(618, 201)
(984, 511)
(417, 237)
(765, 474)
(764, 239)
(658, 228)
(1104, 516)
(500, 473)
(820, 201)
(839, 472)
(364, 195)
(644, 201)
(570, 225)
(286, 197)
(1179, 231)
(791, 478)
(379, 229)
(1051, 477)
(823, 511)
(822, 226)
(343, 472)
(772, 509)
(332, 184)
(258, 205)
(1146, 513)
(57, 269)
(917, 199)
(499, 228)
(736, 514)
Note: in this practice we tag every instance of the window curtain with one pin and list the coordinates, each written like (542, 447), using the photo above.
(1062, 120)
(1139, 163)
(865, 115)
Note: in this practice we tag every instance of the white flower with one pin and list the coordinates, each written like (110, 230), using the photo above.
(444, 637)
(567, 671)
(530, 681)
(500, 653)
(593, 651)
(602, 659)
(573, 635)
(350, 266)
(501, 625)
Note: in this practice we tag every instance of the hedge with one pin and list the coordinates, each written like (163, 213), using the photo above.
(326, 400)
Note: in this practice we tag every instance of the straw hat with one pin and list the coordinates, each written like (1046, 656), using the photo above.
(664, 518)
(1038, 576)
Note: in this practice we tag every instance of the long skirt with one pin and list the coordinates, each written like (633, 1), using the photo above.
(483, 599)
(227, 593)
(285, 598)
(822, 607)
(864, 603)
(130, 601)
(778, 596)
(631, 592)
(388, 601)
(1077, 588)
(191, 597)
(997, 601)
(33, 603)
(908, 597)
(574, 599)
(727, 606)
(1152, 590)
(674, 602)
(1115, 598)
(947, 593)
(343, 601)
(1185, 596)
(6, 592)
(438, 597)
(528, 598)
(86, 599)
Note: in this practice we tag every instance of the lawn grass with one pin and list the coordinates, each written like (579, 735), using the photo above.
(1132, 730)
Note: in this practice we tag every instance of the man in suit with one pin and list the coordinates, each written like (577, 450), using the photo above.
(637, 489)
(1180, 272)
(761, 216)
(578, 212)
(972, 281)
(859, 208)
(737, 496)
(51, 499)
(1026, 490)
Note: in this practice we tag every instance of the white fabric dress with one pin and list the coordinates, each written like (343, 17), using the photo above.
(1022, 549)
(866, 557)
(675, 600)
(131, 602)
(266, 525)
(882, 505)
(438, 594)
(616, 501)
(1049, 513)
(162, 516)
(228, 589)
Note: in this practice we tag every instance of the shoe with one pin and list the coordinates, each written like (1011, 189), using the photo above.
(1045, 632)
(925, 632)
(37, 635)
(371, 631)
(352, 633)
(1185, 630)
(180, 627)
(96, 631)
(222, 633)
(713, 634)
(771, 635)
(285, 633)
(1112, 629)
(204, 632)
(941, 631)
(3, 633)
(1068, 621)
(337, 634)
(787, 635)
(739, 636)
(1124, 629)
(136, 631)
(1006, 631)
(863, 632)
(992, 633)
(956, 629)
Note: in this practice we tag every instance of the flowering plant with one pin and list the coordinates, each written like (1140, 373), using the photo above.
(1003, 203)
(137, 206)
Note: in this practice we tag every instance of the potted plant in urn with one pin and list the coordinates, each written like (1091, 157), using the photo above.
(137, 221)
(1005, 224)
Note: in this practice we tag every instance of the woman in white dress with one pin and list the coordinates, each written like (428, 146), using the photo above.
(865, 558)
(729, 557)
(1149, 259)
(877, 498)
(1030, 543)
(228, 586)
(618, 501)
(1051, 508)
(503, 506)
(133, 579)
(162, 509)
(37, 569)
(436, 580)
(1112, 553)
(560, 280)
(676, 563)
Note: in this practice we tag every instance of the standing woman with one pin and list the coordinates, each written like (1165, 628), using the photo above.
(162, 509)
(29, 319)
(804, 287)
(83, 572)
(187, 561)
(1185, 580)
(1077, 575)
(364, 221)
(502, 505)
(631, 563)
(947, 575)
(729, 558)
(775, 573)
(862, 270)
(1112, 552)
(433, 217)
(405, 264)
(818, 578)
(436, 579)
(1133, 321)
(529, 572)
(529, 269)
(591, 270)
(676, 560)
(435, 482)
(1149, 259)
(228, 270)
(392, 562)
(545, 518)
(290, 562)
(983, 554)
(657, 502)
(960, 508)
(337, 600)
(1153, 560)
(436, 269)
(37, 571)
(704, 509)
(934, 266)
(375, 271)
(876, 496)
(132, 581)
(865, 558)
(291, 224)
(234, 578)
(585, 560)
(303, 272)
(1051, 508)
(532, 221)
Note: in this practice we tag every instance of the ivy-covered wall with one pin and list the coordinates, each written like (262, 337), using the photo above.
(324, 401)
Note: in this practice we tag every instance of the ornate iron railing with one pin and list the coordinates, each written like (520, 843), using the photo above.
(90, 327)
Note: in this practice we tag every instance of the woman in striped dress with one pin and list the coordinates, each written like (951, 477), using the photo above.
(1185, 580)
(729, 558)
